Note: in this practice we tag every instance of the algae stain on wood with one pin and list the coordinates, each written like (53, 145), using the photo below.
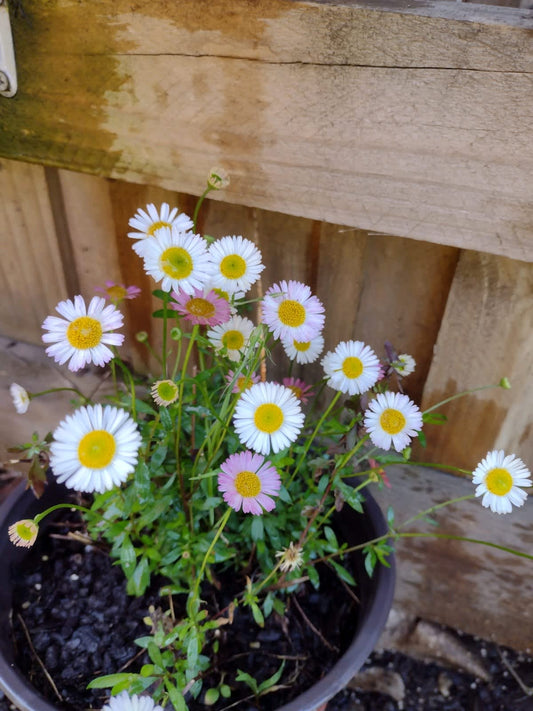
(65, 68)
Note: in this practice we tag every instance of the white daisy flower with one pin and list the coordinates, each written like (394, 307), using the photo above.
(236, 264)
(499, 479)
(95, 448)
(232, 337)
(303, 351)
(268, 417)
(179, 260)
(392, 420)
(352, 368)
(83, 334)
(291, 311)
(147, 222)
(125, 702)
(21, 398)
(405, 365)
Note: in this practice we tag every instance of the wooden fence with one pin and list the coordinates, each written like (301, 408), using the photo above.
(465, 316)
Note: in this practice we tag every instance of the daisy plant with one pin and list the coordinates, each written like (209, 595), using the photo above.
(221, 461)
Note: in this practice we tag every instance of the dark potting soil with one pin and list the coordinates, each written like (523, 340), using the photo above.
(71, 601)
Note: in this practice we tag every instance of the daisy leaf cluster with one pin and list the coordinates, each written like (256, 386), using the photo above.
(227, 457)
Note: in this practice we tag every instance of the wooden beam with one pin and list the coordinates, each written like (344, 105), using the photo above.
(412, 121)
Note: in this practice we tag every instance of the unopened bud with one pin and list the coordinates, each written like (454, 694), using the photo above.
(141, 336)
(176, 333)
(218, 178)
(504, 383)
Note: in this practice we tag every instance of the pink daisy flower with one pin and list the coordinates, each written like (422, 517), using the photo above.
(201, 307)
(299, 388)
(116, 293)
(242, 382)
(247, 480)
(291, 311)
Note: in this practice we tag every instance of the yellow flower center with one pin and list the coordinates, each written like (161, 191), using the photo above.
(296, 390)
(233, 340)
(157, 226)
(268, 417)
(84, 332)
(352, 367)
(176, 262)
(96, 449)
(392, 421)
(247, 484)
(498, 481)
(302, 346)
(200, 307)
(116, 292)
(243, 383)
(167, 391)
(291, 313)
(26, 530)
(233, 266)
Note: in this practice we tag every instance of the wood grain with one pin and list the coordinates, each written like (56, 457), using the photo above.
(410, 121)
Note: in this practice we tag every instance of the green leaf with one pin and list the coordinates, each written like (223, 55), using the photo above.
(128, 557)
(165, 419)
(247, 679)
(109, 680)
(434, 418)
(175, 696)
(211, 697)
(342, 573)
(313, 576)
(331, 537)
(258, 530)
(140, 579)
(264, 685)
(158, 457)
(258, 615)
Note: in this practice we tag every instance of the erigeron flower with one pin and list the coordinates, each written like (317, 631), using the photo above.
(179, 260)
(268, 417)
(499, 478)
(218, 178)
(83, 334)
(20, 397)
(303, 351)
(203, 307)
(95, 448)
(148, 222)
(232, 337)
(125, 702)
(242, 382)
(291, 558)
(290, 310)
(392, 419)
(117, 293)
(299, 388)
(236, 264)
(352, 368)
(248, 482)
(405, 365)
(165, 392)
(23, 533)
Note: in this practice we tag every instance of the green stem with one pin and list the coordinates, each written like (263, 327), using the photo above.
(450, 537)
(458, 395)
(436, 507)
(220, 528)
(56, 390)
(39, 517)
(198, 205)
(312, 437)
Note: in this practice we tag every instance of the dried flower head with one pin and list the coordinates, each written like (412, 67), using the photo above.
(23, 533)
(291, 557)
(21, 398)
(165, 392)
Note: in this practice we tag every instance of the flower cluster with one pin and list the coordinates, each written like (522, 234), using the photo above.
(213, 463)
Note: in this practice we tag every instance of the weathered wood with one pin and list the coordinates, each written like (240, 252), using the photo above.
(473, 588)
(486, 333)
(411, 121)
(33, 269)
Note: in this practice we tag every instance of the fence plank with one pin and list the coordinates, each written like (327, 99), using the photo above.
(486, 333)
(32, 270)
(411, 122)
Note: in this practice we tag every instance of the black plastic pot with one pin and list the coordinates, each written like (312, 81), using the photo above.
(375, 594)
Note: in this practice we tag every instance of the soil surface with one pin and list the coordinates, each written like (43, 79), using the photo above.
(78, 637)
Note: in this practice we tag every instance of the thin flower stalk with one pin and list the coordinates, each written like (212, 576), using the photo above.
(461, 394)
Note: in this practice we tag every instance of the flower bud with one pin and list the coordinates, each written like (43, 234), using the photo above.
(504, 383)
(218, 178)
(141, 336)
(176, 333)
